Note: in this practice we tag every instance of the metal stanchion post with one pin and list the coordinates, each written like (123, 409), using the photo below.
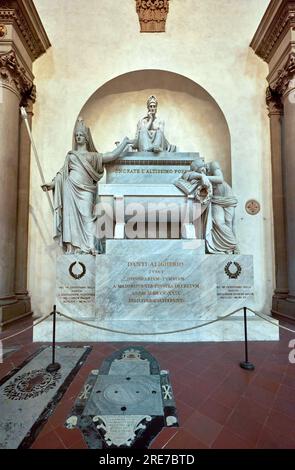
(246, 364)
(54, 366)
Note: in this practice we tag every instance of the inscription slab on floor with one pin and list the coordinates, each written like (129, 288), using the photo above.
(29, 394)
(126, 403)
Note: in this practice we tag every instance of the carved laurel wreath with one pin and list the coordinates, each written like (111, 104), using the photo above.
(82, 273)
(231, 274)
(204, 193)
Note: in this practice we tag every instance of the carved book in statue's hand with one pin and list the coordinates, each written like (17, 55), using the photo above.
(187, 187)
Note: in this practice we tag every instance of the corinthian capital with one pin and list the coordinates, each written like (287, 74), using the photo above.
(273, 102)
(13, 75)
(152, 15)
(285, 81)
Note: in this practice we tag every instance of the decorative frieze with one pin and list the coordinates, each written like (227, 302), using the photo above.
(152, 15)
(14, 75)
(3, 30)
(23, 15)
(279, 19)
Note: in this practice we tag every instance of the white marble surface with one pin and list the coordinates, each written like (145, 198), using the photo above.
(75, 297)
(140, 189)
(226, 330)
(149, 168)
(216, 296)
(168, 280)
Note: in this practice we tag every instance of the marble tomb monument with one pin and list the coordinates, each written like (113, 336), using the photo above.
(152, 249)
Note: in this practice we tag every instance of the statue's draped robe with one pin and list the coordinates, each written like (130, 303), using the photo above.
(220, 237)
(146, 139)
(74, 220)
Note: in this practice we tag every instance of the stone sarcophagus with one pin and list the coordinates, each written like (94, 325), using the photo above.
(141, 181)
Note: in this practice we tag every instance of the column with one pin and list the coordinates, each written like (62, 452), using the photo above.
(289, 163)
(13, 85)
(275, 109)
(23, 39)
(274, 42)
(284, 85)
(23, 203)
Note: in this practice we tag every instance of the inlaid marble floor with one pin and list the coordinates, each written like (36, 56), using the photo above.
(219, 405)
(29, 393)
(124, 403)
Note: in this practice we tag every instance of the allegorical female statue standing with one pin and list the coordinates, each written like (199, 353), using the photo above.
(74, 190)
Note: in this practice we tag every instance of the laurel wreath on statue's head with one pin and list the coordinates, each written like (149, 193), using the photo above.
(231, 274)
(82, 273)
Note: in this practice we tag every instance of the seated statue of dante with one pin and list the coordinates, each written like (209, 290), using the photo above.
(74, 191)
(150, 135)
(219, 216)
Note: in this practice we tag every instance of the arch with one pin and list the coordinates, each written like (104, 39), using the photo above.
(193, 119)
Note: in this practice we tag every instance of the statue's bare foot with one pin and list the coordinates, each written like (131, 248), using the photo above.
(69, 249)
(158, 149)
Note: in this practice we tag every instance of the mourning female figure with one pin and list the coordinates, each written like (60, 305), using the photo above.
(74, 190)
(219, 217)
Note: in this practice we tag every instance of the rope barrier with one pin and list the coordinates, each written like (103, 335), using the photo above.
(26, 329)
(148, 334)
(174, 331)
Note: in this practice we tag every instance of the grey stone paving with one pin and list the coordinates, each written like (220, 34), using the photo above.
(25, 395)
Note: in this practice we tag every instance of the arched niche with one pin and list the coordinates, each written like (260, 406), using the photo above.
(193, 119)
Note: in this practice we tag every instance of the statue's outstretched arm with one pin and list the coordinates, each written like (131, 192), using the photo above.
(111, 156)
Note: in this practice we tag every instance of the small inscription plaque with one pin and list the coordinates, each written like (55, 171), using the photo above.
(75, 285)
(73, 295)
(235, 292)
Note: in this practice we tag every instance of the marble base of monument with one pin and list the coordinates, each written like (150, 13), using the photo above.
(17, 309)
(154, 286)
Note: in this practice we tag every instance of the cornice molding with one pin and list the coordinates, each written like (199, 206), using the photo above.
(152, 15)
(277, 20)
(23, 15)
(14, 76)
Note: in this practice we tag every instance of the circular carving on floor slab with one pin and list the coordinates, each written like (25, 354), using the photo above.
(252, 207)
(31, 384)
(124, 394)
